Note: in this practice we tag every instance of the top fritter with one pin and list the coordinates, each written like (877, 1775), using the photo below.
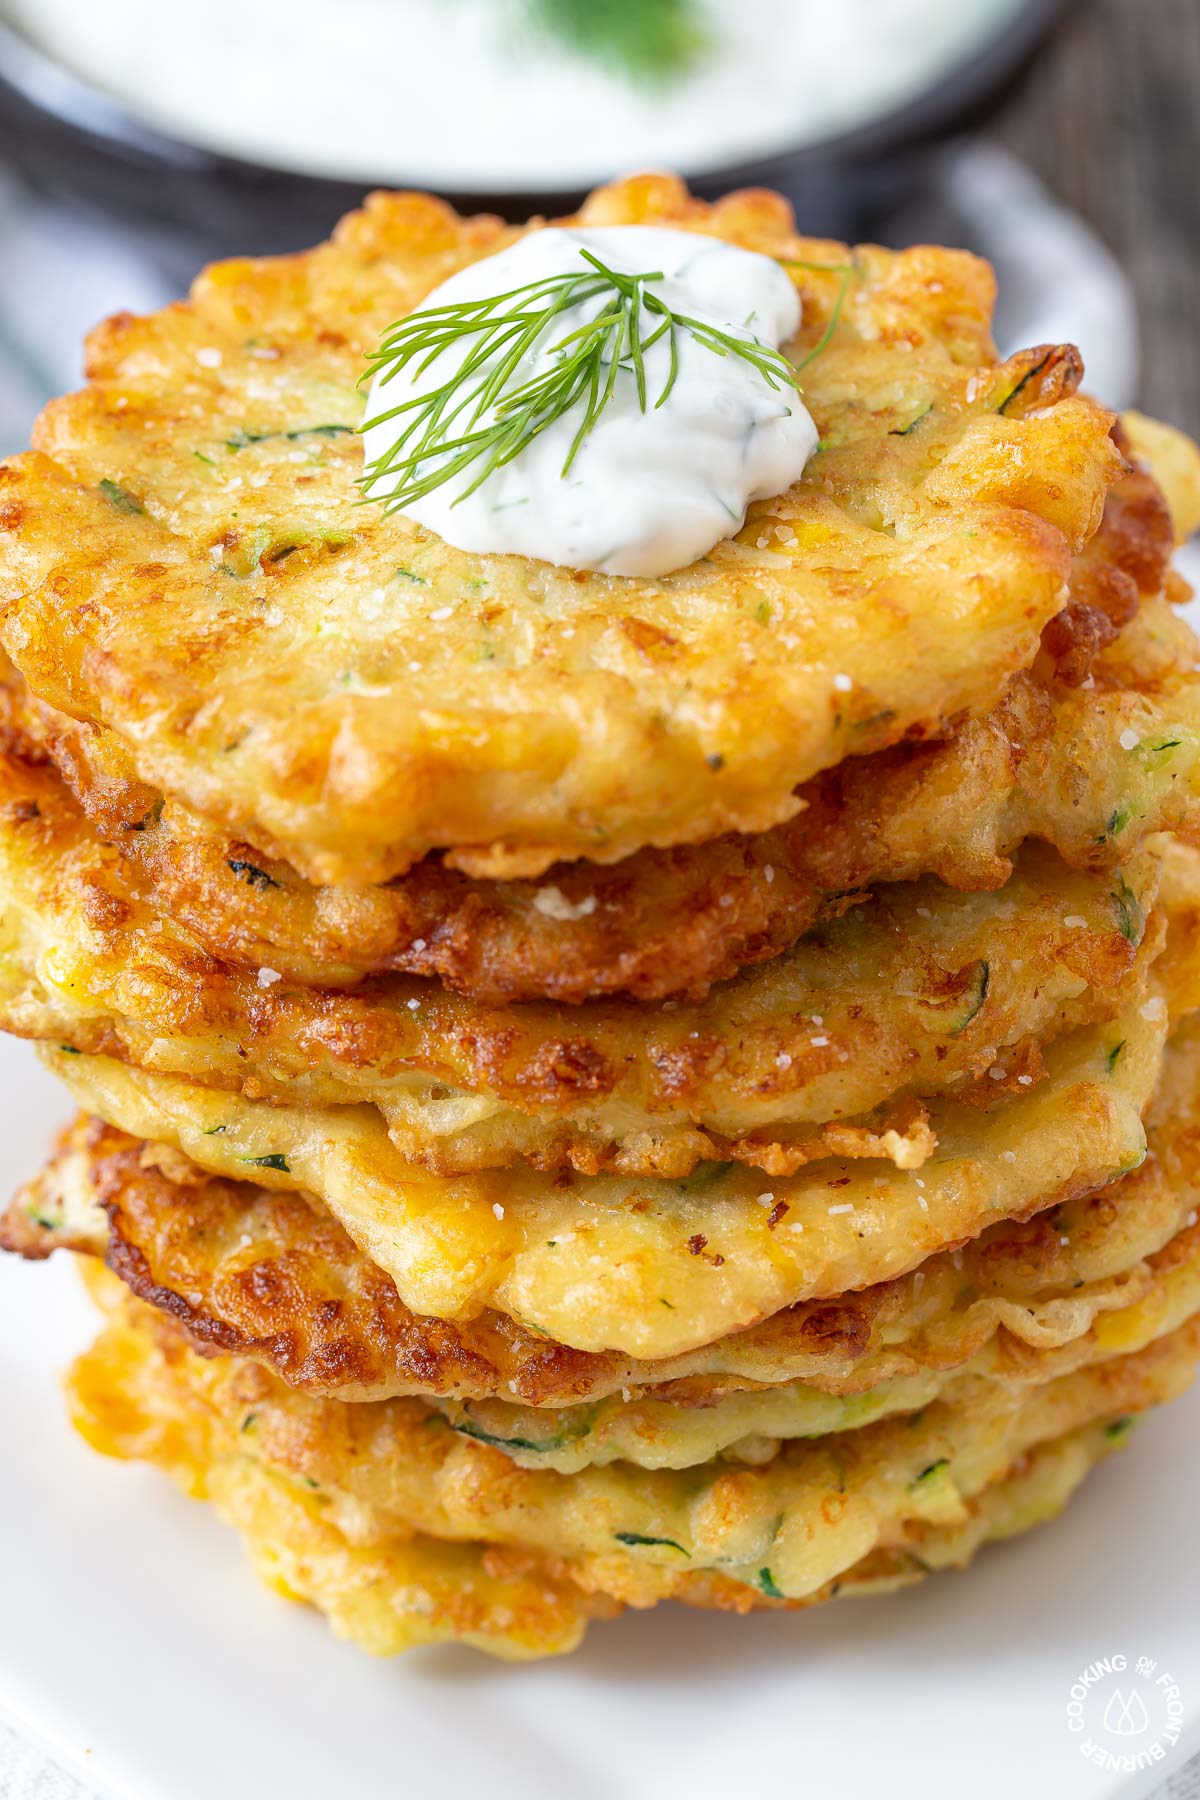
(187, 564)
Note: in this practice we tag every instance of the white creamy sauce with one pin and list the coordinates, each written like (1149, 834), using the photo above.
(456, 94)
(648, 490)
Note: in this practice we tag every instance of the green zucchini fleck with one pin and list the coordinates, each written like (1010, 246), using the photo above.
(276, 1161)
(1159, 752)
(1115, 824)
(411, 575)
(69, 1050)
(904, 430)
(1118, 1429)
(703, 1177)
(248, 1421)
(766, 1582)
(873, 719)
(1028, 376)
(251, 874)
(239, 439)
(1131, 916)
(928, 1474)
(1114, 1056)
(117, 496)
(975, 997)
(469, 1429)
(635, 1538)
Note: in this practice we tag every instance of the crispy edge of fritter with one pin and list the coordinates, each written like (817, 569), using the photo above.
(290, 1289)
(672, 924)
(371, 1593)
(381, 1470)
(596, 1090)
(337, 785)
(661, 922)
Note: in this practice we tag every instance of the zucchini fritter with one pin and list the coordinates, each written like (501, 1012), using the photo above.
(267, 1274)
(614, 1262)
(830, 1049)
(1051, 761)
(392, 1595)
(788, 1529)
(184, 561)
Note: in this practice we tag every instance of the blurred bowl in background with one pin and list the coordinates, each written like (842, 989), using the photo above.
(767, 107)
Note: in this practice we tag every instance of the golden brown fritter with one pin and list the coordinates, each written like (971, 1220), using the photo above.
(184, 561)
(788, 1528)
(388, 1596)
(266, 1274)
(665, 923)
(1047, 763)
(609, 1262)
(680, 1420)
(829, 1049)
(1175, 460)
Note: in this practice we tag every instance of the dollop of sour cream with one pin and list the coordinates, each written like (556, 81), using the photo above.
(648, 491)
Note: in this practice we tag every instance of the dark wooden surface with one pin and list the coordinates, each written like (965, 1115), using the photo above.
(1111, 119)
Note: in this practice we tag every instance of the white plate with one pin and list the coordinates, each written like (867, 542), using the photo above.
(135, 1642)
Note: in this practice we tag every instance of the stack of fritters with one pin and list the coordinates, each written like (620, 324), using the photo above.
(598, 1090)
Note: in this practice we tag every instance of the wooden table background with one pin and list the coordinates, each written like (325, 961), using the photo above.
(1110, 118)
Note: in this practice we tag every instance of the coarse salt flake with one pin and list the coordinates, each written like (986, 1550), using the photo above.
(268, 977)
(552, 903)
(1129, 739)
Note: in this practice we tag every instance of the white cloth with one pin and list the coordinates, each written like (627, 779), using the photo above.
(28, 1774)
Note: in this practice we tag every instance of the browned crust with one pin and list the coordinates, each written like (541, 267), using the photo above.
(266, 1275)
(660, 922)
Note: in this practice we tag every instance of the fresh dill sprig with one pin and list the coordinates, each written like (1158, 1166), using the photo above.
(651, 42)
(477, 417)
(847, 272)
